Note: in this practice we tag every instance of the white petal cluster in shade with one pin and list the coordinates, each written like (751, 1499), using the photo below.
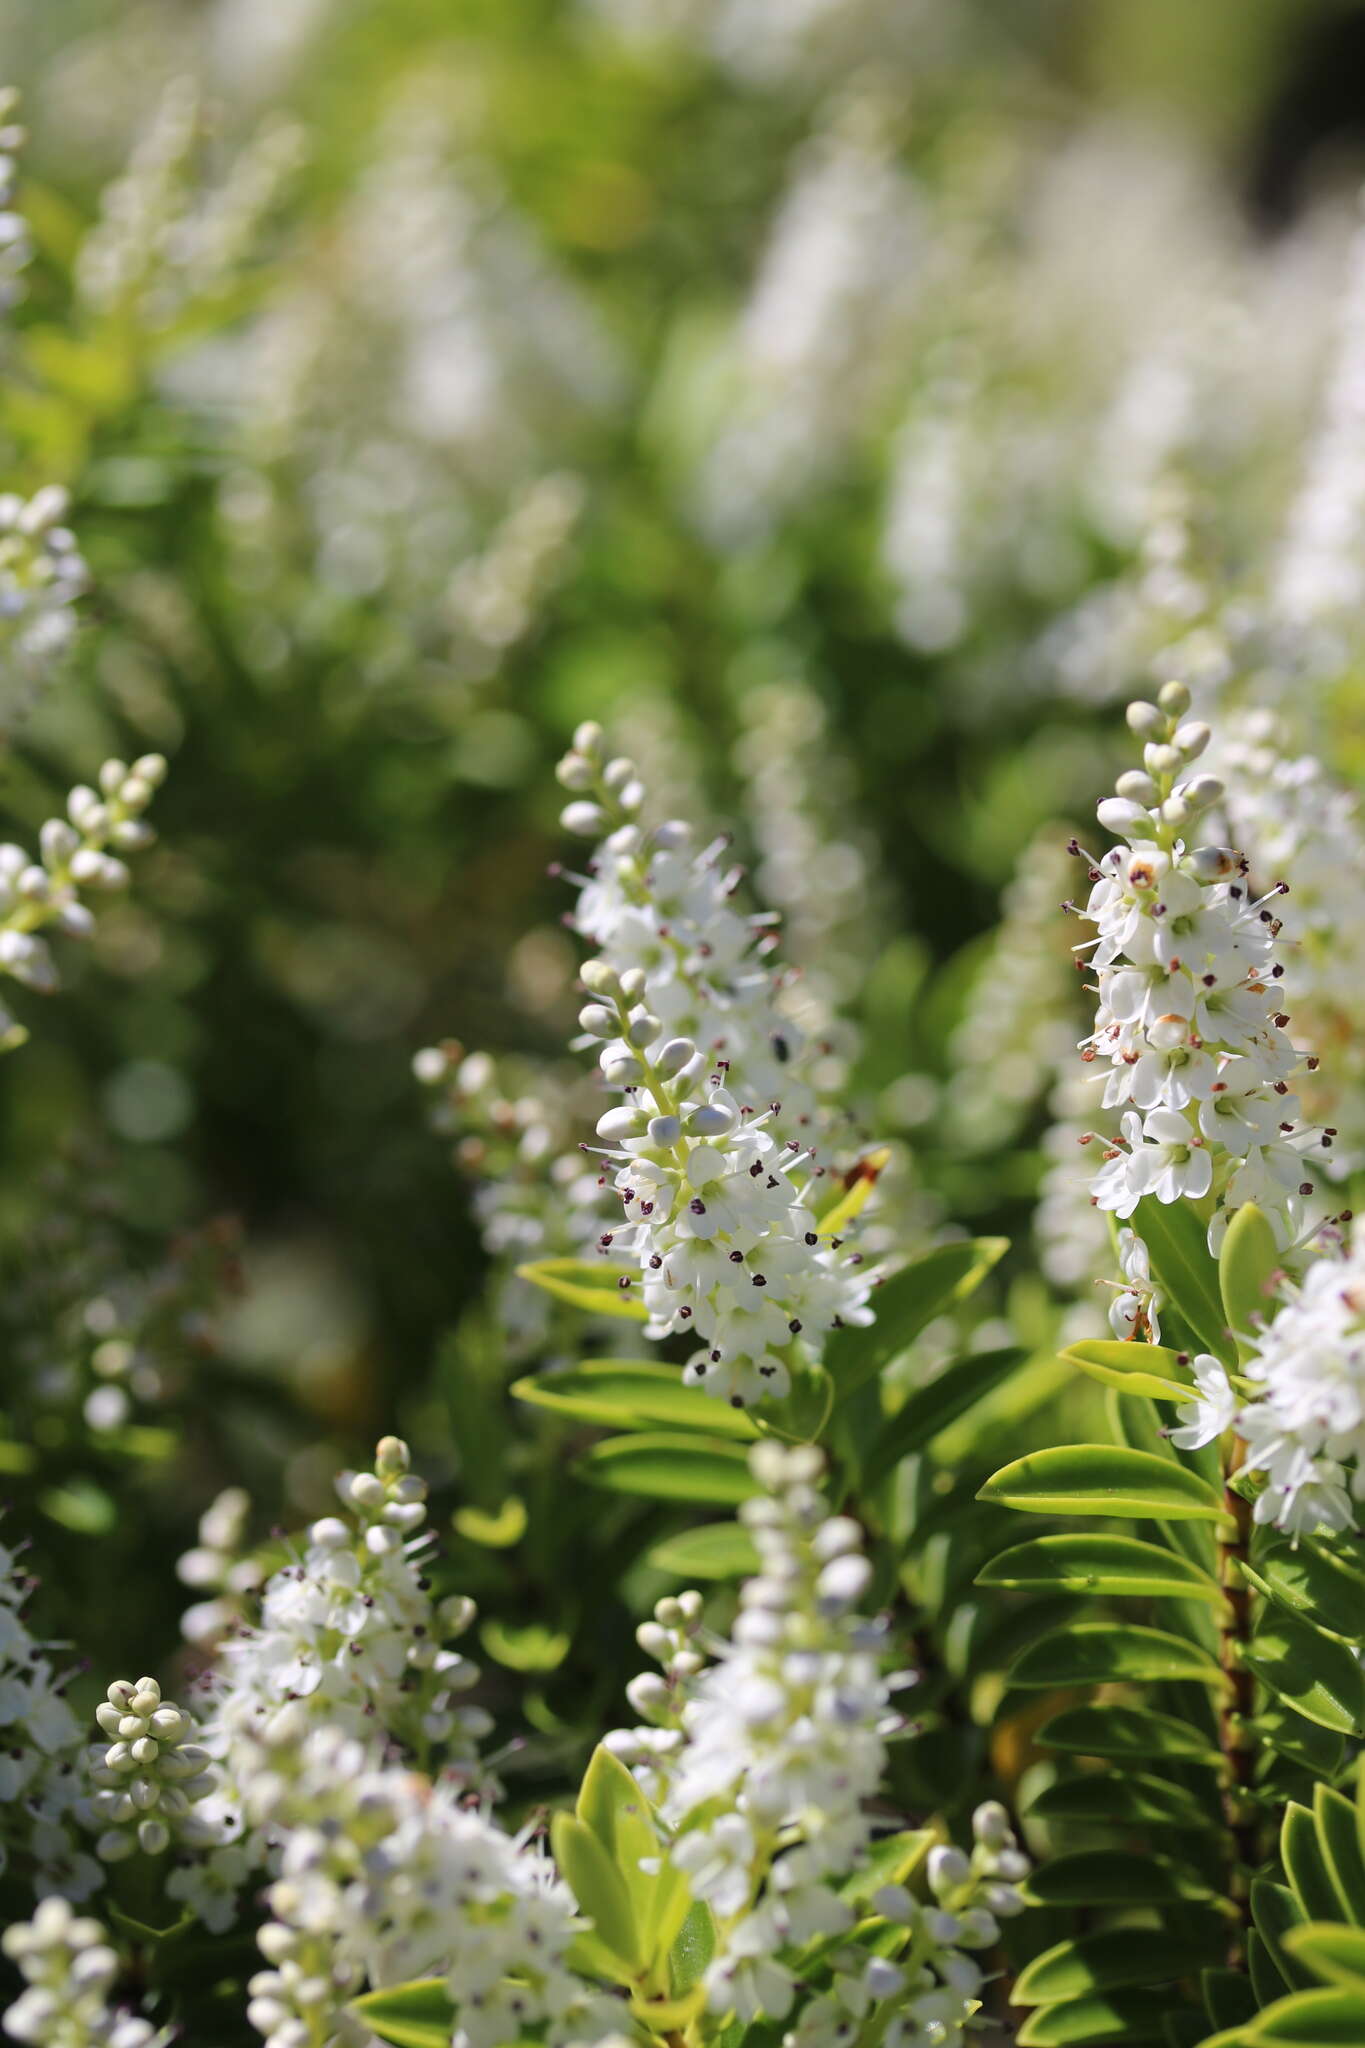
(763, 1762)
(69, 1970)
(1189, 1025)
(40, 1752)
(384, 1877)
(79, 854)
(1304, 1423)
(719, 1222)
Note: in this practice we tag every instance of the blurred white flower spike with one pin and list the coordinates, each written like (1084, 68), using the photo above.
(712, 1149)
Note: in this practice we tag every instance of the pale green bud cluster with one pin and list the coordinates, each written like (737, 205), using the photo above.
(151, 1774)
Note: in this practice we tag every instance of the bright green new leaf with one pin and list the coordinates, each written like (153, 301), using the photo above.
(657, 1467)
(718, 1550)
(591, 1874)
(1177, 1240)
(1247, 1265)
(1110, 1653)
(1119, 1731)
(416, 2015)
(611, 1803)
(693, 1948)
(1133, 1368)
(584, 1283)
(492, 1532)
(634, 1394)
(1102, 1479)
(1111, 1962)
(1121, 1566)
(906, 1305)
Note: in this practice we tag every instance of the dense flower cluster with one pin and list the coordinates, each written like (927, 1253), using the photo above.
(41, 576)
(718, 1204)
(74, 856)
(763, 1762)
(385, 1877)
(69, 1970)
(40, 1778)
(149, 1777)
(1189, 1022)
(219, 1566)
(1304, 1423)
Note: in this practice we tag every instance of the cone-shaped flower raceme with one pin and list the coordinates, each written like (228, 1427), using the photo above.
(719, 1221)
(1189, 1025)
(148, 1776)
(763, 1761)
(78, 853)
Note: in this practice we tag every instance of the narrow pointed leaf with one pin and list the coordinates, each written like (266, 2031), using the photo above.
(910, 1300)
(1312, 2019)
(1304, 1865)
(1148, 1369)
(416, 2015)
(1109, 1652)
(1336, 1954)
(588, 1284)
(1119, 1566)
(634, 1394)
(1312, 1586)
(612, 1805)
(658, 1467)
(1109, 1962)
(1102, 1479)
(1318, 1678)
(1092, 2022)
(1177, 1241)
(1124, 1798)
(1119, 1731)
(598, 1886)
(1112, 1877)
(1339, 1840)
(718, 1550)
(932, 1408)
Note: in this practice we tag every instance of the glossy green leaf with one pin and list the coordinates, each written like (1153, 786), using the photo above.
(1274, 1909)
(415, 2015)
(1339, 1839)
(1119, 1731)
(1248, 1262)
(1304, 1864)
(1102, 1479)
(1112, 1877)
(1313, 2019)
(909, 1301)
(891, 1859)
(1121, 1566)
(1177, 1240)
(931, 1409)
(1110, 1962)
(1112, 1652)
(1336, 1954)
(693, 1949)
(1318, 1678)
(718, 1550)
(611, 1804)
(599, 1887)
(1311, 1586)
(1148, 1369)
(657, 1467)
(634, 1394)
(1124, 1798)
(1092, 2022)
(1303, 1742)
(587, 1284)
